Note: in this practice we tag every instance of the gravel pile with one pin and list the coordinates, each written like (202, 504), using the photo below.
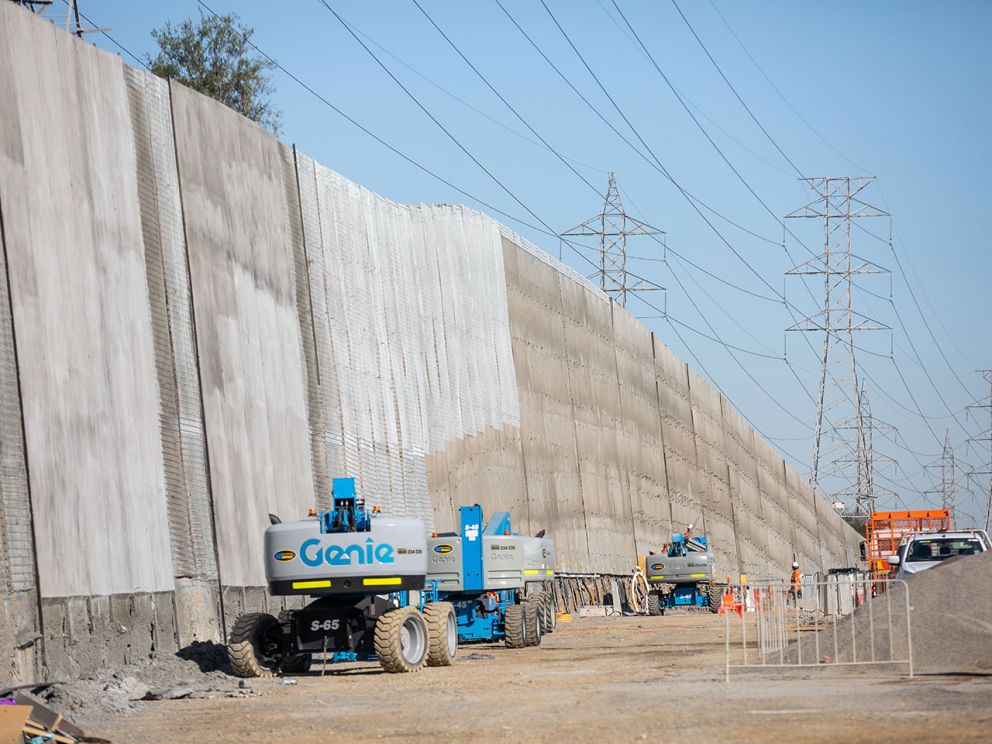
(951, 622)
(198, 671)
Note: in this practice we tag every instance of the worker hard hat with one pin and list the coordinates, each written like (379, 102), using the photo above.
(795, 565)
(690, 526)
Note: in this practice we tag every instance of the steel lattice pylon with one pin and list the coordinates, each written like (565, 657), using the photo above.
(613, 226)
(863, 459)
(842, 437)
(948, 487)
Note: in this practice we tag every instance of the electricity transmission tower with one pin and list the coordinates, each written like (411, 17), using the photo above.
(838, 202)
(948, 488)
(864, 460)
(613, 226)
(984, 440)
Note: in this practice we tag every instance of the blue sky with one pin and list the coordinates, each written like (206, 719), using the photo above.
(898, 90)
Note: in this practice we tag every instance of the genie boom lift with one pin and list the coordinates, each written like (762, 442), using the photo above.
(495, 579)
(358, 568)
(687, 567)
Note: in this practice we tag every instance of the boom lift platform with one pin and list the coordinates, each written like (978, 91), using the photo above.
(358, 567)
(687, 565)
(495, 579)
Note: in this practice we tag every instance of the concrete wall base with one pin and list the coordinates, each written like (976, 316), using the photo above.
(84, 634)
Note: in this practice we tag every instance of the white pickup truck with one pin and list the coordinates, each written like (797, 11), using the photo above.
(925, 550)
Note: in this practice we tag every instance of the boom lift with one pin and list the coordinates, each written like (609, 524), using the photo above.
(358, 567)
(486, 573)
(687, 565)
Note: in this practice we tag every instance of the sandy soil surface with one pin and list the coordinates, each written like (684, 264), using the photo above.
(596, 679)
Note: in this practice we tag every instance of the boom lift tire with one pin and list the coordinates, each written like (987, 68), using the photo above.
(714, 593)
(515, 621)
(549, 619)
(253, 648)
(401, 640)
(654, 604)
(532, 624)
(442, 629)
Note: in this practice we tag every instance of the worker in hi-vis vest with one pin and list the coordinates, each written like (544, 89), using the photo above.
(795, 584)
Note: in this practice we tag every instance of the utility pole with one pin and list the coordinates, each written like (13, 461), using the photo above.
(948, 488)
(613, 226)
(838, 202)
(982, 441)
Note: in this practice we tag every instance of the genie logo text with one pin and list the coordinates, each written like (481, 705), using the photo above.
(313, 554)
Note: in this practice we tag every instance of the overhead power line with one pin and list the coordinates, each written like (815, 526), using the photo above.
(736, 94)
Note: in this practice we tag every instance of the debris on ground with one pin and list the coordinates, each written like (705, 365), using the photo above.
(24, 717)
(196, 672)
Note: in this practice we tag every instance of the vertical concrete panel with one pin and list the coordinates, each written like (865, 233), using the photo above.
(640, 442)
(547, 427)
(238, 188)
(592, 374)
(87, 357)
(752, 538)
(805, 508)
(413, 342)
(675, 410)
(181, 420)
(777, 519)
(718, 512)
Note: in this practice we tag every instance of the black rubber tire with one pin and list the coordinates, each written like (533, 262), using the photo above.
(532, 624)
(714, 593)
(514, 622)
(244, 653)
(548, 614)
(442, 630)
(654, 604)
(393, 655)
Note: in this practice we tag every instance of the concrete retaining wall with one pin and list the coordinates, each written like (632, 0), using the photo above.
(200, 325)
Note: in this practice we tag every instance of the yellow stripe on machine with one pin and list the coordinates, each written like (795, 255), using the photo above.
(322, 584)
(697, 576)
(388, 581)
(550, 572)
(530, 571)
(655, 577)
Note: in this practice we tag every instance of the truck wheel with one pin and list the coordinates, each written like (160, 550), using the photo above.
(714, 593)
(254, 648)
(532, 624)
(442, 629)
(514, 622)
(654, 604)
(401, 640)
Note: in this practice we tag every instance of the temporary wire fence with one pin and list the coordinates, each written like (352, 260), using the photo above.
(840, 621)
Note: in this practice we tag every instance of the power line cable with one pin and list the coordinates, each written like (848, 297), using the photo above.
(736, 94)
(780, 93)
(96, 27)
(655, 164)
(430, 81)
(501, 97)
(444, 129)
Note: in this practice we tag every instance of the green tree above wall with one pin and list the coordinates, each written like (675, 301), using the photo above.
(214, 57)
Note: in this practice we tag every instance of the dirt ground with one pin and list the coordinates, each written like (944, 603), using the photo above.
(595, 679)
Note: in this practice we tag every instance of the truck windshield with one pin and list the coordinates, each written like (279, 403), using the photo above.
(940, 548)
